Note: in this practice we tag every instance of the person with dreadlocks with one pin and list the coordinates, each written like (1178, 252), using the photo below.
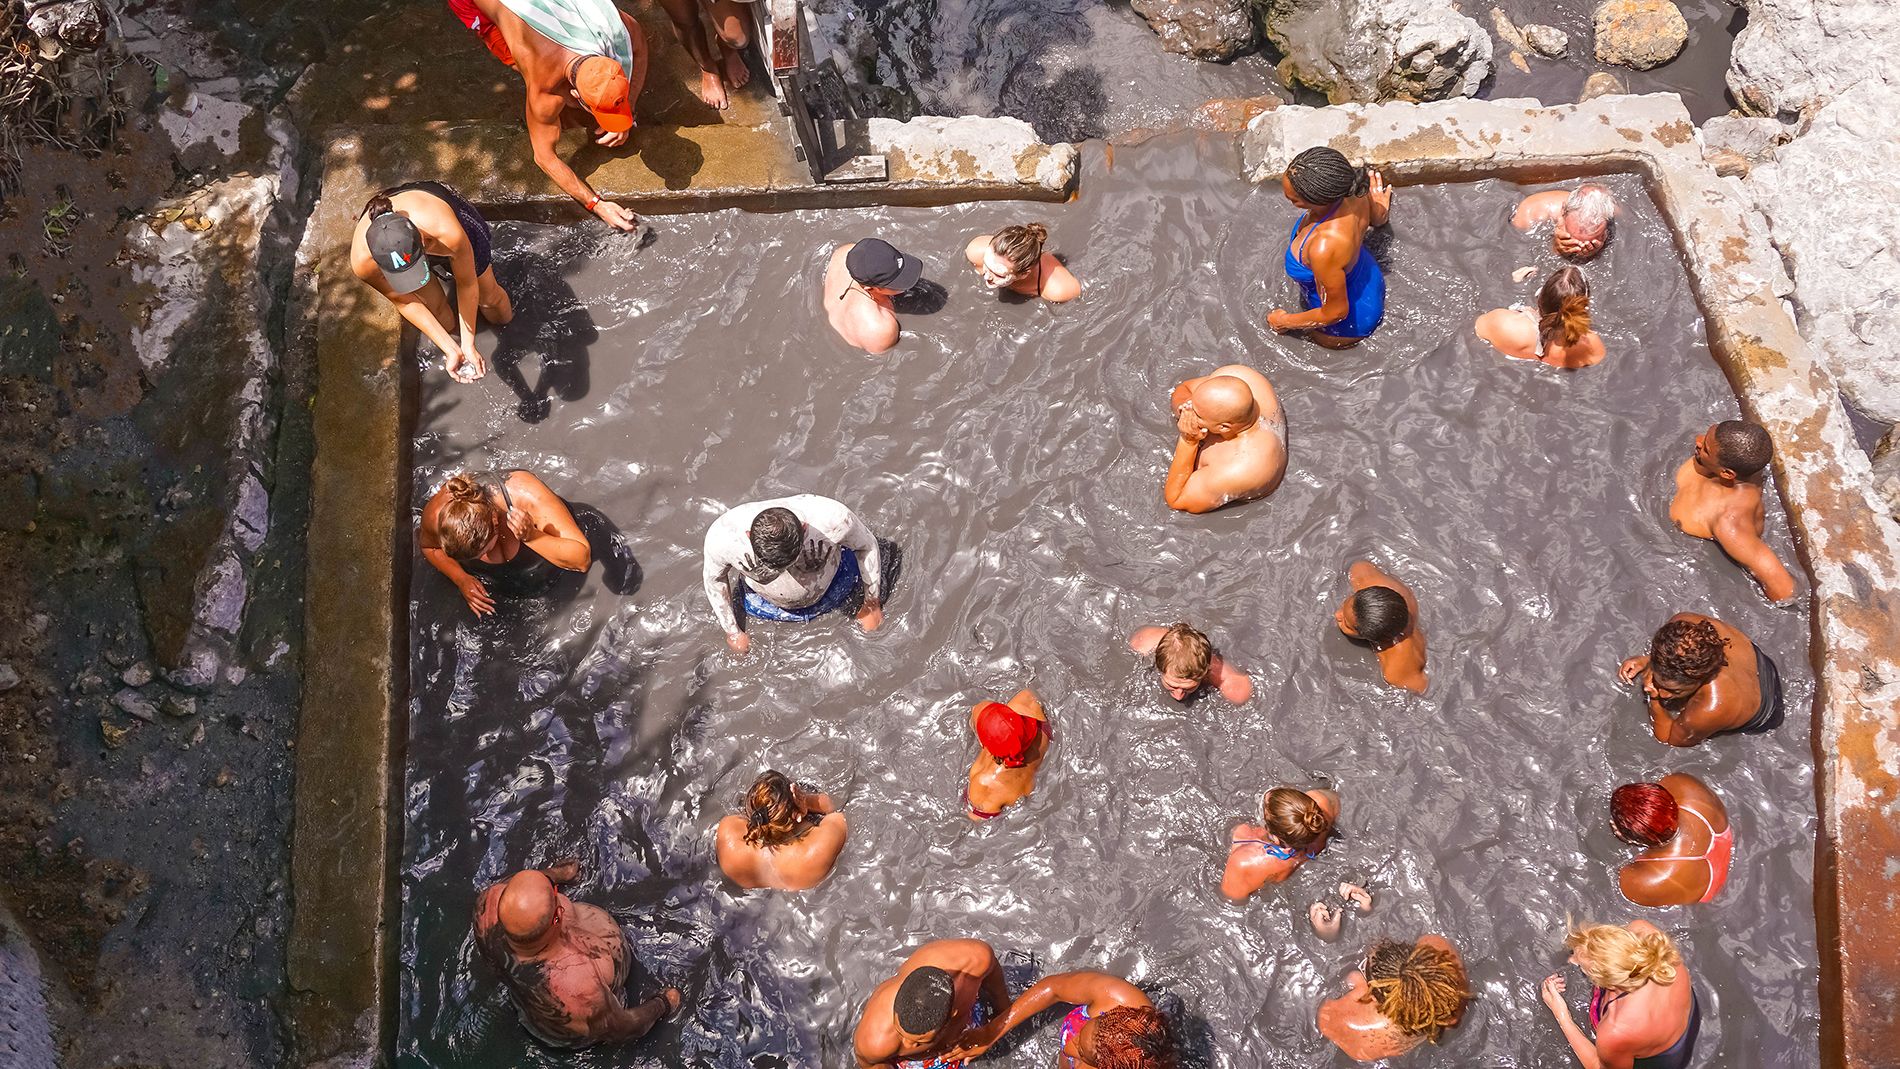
(920, 1018)
(1340, 283)
(1643, 1004)
(1012, 741)
(1113, 1025)
(1719, 497)
(1557, 332)
(787, 838)
(1383, 613)
(1400, 996)
(794, 559)
(1705, 678)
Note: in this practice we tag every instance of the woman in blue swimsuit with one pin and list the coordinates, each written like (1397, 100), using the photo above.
(1297, 825)
(1113, 1025)
(1643, 1005)
(1342, 288)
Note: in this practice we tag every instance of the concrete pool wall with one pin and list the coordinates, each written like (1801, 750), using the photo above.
(350, 745)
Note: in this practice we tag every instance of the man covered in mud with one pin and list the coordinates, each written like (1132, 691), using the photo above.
(797, 558)
(1232, 440)
(565, 962)
(1581, 216)
(1719, 497)
(859, 284)
(943, 991)
(577, 58)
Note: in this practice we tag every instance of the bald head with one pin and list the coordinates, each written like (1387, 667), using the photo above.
(1224, 399)
(527, 908)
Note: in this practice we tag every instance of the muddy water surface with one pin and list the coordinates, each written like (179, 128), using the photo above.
(1014, 454)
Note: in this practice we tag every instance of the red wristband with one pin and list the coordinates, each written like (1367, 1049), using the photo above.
(595, 203)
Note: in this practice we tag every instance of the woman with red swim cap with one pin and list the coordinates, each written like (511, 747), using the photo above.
(1015, 739)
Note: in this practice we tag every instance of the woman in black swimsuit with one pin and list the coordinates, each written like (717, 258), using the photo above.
(788, 838)
(1013, 258)
(501, 538)
(424, 247)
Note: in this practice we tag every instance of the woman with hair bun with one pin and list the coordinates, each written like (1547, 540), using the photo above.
(501, 537)
(1340, 283)
(1686, 838)
(1643, 1005)
(1296, 826)
(1705, 678)
(1558, 333)
(1013, 258)
(788, 837)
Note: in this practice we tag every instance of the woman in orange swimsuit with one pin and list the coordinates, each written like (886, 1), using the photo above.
(1685, 830)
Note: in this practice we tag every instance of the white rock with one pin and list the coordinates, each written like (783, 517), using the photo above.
(206, 128)
(136, 675)
(132, 703)
(1796, 54)
(1366, 50)
(9, 676)
(1753, 139)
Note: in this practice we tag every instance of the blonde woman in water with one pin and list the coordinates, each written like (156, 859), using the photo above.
(1013, 258)
(1643, 1005)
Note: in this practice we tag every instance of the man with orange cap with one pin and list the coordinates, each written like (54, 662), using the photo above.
(565, 962)
(578, 58)
(1015, 739)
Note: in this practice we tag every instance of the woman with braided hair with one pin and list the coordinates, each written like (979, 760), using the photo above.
(1401, 995)
(1643, 1006)
(1340, 283)
(1705, 678)
(788, 837)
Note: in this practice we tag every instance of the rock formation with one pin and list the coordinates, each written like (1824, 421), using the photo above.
(1365, 50)
(1204, 29)
(1796, 54)
(1639, 33)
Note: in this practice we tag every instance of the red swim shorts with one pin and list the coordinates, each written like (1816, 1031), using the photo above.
(466, 13)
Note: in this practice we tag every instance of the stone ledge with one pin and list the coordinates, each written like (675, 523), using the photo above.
(1851, 551)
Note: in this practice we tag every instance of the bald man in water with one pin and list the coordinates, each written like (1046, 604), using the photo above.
(565, 962)
(1232, 443)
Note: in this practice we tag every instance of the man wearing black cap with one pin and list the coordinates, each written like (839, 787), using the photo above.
(859, 285)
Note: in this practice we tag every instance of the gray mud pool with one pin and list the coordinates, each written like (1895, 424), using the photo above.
(1014, 453)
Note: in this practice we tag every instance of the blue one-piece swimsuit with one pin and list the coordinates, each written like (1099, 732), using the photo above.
(1365, 285)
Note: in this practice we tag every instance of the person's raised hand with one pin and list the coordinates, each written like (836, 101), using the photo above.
(1379, 193)
(1188, 424)
(476, 595)
(1553, 992)
(519, 524)
(740, 642)
(1630, 669)
(870, 615)
(615, 216)
(1277, 321)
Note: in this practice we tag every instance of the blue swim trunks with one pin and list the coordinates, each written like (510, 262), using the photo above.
(836, 595)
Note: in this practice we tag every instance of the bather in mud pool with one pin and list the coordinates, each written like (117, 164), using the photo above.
(1010, 456)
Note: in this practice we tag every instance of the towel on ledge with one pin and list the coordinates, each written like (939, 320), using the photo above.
(587, 27)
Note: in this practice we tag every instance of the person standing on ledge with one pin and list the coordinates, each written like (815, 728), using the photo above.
(577, 58)
(1582, 217)
(942, 992)
(1340, 283)
(788, 838)
(1231, 443)
(565, 962)
(1696, 690)
(799, 558)
(1719, 497)
(859, 283)
(1013, 740)
(406, 238)
(1686, 838)
(500, 538)
(1187, 662)
(1383, 613)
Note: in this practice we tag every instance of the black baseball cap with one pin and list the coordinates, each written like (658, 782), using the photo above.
(874, 262)
(396, 245)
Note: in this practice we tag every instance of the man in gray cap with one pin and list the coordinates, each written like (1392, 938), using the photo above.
(399, 233)
(859, 284)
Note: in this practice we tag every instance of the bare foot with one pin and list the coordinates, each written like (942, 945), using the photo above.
(1325, 919)
(1356, 895)
(738, 73)
(712, 90)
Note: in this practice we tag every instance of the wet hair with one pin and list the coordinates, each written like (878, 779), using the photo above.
(1742, 447)
(1295, 818)
(777, 536)
(379, 204)
(1380, 615)
(1592, 207)
(1184, 652)
(1563, 306)
(1323, 176)
(466, 523)
(1418, 987)
(1021, 244)
(1643, 813)
(1687, 651)
(1621, 960)
(1133, 1037)
(772, 816)
(923, 1000)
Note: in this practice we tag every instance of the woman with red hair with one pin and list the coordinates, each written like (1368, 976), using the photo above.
(1684, 830)
(1014, 738)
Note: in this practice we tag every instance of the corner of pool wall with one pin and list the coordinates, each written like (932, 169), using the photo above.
(1851, 555)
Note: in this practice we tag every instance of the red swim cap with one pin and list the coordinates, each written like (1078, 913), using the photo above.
(1006, 733)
